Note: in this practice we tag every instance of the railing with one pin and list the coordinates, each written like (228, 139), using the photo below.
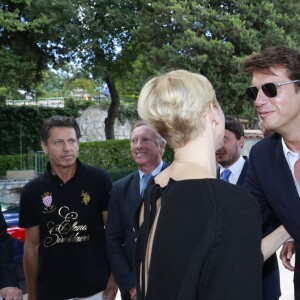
(40, 162)
(52, 102)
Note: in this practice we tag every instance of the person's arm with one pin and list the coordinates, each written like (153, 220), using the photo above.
(111, 289)
(8, 275)
(118, 239)
(104, 217)
(271, 243)
(286, 254)
(30, 259)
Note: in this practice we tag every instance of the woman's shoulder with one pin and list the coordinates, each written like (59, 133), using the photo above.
(215, 189)
(220, 192)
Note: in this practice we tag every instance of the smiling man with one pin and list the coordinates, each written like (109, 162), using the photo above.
(64, 212)
(147, 148)
(274, 165)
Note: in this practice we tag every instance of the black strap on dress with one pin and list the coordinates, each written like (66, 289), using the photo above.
(151, 195)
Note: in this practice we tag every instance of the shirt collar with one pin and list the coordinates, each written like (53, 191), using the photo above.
(236, 167)
(78, 167)
(287, 151)
(290, 156)
(155, 171)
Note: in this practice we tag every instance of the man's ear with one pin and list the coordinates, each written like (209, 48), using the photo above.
(44, 148)
(214, 113)
(162, 147)
(241, 141)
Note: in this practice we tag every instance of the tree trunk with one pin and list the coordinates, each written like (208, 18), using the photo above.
(113, 109)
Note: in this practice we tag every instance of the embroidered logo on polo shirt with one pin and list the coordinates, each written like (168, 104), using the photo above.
(85, 197)
(47, 201)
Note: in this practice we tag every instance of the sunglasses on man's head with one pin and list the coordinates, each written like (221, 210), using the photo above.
(269, 89)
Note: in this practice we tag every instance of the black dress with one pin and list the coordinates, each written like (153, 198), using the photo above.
(207, 243)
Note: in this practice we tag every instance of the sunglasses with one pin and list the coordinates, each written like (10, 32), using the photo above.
(269, 89)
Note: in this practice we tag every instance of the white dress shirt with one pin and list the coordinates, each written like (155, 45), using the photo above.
(291, 158)
(236, 170)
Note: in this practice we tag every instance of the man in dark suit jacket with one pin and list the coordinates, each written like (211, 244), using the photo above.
(8, 275)
(274, 173)
(147, 148)
(230, 157)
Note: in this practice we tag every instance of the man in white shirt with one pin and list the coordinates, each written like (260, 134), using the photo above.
(274, 166)
(233, 167)
(230, 156)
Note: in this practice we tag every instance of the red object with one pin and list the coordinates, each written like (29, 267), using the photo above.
(17, 233)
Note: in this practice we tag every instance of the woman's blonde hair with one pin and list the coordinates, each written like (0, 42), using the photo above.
(176, 103)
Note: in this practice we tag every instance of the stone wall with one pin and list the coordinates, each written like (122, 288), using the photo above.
(91, 122)
(10, 190)
(251, 138)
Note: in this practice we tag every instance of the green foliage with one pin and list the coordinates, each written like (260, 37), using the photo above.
(212, 38)
(84, 84)
(126, 42)
(77, 104)
(20, 126)
(15, 40)
(17, 162)
(3, 91)
(70, 102)
(103, 104)
(10, 162)
(31, 37)
(128, 111)
(114, 156)
(109, 154)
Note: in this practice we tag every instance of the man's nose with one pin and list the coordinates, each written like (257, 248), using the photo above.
(261, 98)
(67, 146)
(139, 143)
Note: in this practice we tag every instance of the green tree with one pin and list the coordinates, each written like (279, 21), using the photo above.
(213, 37)
(123, 42)
(20, 126)
(94, 34)
(84, 86)
(105, 47)
(52, 85)
(32, 34)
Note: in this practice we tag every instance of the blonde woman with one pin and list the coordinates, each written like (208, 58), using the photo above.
(199, 237)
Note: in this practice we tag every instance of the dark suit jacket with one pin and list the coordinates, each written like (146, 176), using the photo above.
(120, 238)
(270, 180)
(270, 272)
(8, 275)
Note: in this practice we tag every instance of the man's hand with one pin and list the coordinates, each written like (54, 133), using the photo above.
(132, 293)
(111, 290)
(286, 254)
(11, 293)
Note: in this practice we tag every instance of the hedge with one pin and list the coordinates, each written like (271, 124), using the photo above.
(112, 155)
